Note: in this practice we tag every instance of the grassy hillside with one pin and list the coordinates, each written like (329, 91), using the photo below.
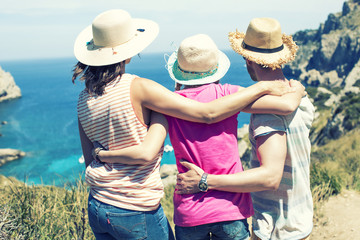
(43, 212)
(338, 162)
(335, 148)
(49, 212)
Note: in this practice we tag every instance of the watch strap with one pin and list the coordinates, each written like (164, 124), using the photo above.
(204, 177)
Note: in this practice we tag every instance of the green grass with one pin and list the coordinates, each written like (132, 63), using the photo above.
(168, 204)
(44, 212)
(338, 162)
(336, 165)
(49, 212)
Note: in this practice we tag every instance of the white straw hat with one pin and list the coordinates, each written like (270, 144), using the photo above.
(197, 61)
(264, 43)
(113, 37)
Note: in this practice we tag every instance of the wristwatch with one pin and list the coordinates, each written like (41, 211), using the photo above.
(95, 153)
(203, 185)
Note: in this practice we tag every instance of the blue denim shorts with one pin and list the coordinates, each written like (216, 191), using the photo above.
(110, 222)
(236, 230)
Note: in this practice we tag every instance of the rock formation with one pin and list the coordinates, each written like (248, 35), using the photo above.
(330, 55)
(8, 88)
(8, 155)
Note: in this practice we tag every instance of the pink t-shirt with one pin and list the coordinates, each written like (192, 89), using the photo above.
(213, 147)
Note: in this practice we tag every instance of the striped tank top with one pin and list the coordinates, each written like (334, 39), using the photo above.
(110, 119)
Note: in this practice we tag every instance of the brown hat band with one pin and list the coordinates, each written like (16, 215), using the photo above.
(262, 50)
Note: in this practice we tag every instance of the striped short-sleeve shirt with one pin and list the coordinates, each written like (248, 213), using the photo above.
(287, 212)
(110, 119)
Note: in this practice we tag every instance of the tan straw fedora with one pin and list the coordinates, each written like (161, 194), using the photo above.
(114, 36)
(197, 61)
(264, 43)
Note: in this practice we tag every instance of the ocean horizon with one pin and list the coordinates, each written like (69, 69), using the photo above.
(43, 122)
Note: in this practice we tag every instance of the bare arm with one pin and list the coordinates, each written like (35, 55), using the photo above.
(144, 152)
(86, 145)
(271, 152)
(281, 105)
(156, 97)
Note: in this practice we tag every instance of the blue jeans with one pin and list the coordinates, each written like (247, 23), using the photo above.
(110, 222)
(238, 230)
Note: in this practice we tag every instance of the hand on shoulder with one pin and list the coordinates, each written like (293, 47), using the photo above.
(297, 87)
(277, 87)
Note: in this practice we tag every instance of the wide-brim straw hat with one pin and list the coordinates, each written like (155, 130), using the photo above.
(264, 43)
(114, 36)
(197, 61)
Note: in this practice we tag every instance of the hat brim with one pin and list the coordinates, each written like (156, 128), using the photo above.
(223, 67)
(271, 60)
(100, 56)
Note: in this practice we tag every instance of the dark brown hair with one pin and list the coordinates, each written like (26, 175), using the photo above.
(96, 77)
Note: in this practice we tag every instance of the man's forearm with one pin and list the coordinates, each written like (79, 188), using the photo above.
(252, 180)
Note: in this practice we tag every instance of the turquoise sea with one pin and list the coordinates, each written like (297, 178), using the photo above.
(43, 122)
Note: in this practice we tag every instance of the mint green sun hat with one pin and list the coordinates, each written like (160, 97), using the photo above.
(197, 61)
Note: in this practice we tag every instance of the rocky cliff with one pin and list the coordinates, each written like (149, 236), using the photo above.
(329, 56)
(328, 63)
(8, 88)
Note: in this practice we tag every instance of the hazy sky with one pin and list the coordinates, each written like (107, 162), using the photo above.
(48, 28)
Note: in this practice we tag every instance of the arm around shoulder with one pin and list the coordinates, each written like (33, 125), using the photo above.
(156, 97)
(281, 105)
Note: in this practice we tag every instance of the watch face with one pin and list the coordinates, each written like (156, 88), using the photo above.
(203, 186)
